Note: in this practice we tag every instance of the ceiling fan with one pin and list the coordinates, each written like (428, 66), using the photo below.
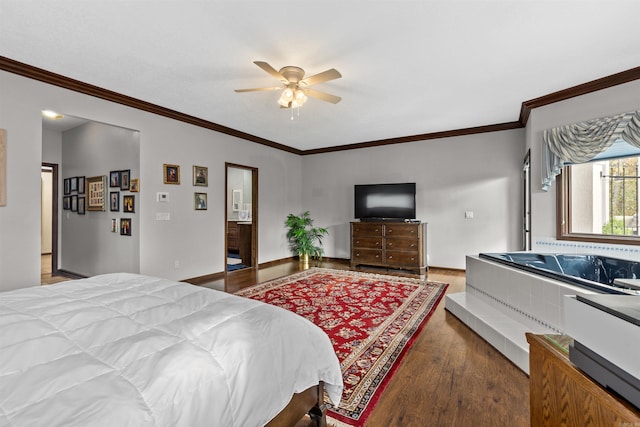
(295, 88)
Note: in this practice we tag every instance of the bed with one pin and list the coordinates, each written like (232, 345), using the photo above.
(131, 350)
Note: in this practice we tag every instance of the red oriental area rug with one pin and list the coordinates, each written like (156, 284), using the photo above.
(372, 321)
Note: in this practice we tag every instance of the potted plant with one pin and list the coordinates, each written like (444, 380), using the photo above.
(305, 239)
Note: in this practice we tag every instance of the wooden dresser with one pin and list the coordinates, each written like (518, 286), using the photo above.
(561, 395)
(390, 244)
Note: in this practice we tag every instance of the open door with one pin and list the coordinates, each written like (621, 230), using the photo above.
(526, 202)
(49, 218)
(241, 217)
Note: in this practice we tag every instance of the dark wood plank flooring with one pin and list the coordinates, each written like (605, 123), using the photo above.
(449, 377)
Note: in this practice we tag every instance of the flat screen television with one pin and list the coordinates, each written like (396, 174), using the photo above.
(385, 202)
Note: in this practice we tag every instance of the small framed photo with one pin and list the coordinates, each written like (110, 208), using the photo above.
(66, 203)
(114, 179)
(74, 203)
(125, 226)
(128, 203)
(135, 185)
(74, 184)
(114, 225)
(125, 176)
(201, 176)
(114, 201)
(171, 174)
(67, 186)
(81, 185)
(200, 201)
(81, 206)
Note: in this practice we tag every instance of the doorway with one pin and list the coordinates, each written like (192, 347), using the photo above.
(49, 219)
(526, 202)
(241, 217)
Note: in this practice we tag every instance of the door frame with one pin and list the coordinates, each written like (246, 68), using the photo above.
(254, 212)
(54, 215)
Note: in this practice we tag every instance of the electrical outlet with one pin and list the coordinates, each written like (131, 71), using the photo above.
(176, 264)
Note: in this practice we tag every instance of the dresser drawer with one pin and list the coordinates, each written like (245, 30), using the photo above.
(367, 242)
(402, 244)
(406, 259)
(364, 229)
(401, 230)
(367, 255)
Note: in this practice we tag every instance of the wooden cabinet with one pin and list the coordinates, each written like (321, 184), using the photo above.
(561, 394)
(232, 236)
(390, 244)
(244, 243)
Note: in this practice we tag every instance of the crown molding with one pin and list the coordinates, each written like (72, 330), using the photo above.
(25, 70)
(29, 71)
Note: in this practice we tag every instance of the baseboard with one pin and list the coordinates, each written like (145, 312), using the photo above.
(69, 274)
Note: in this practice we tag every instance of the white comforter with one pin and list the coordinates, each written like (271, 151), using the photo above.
(130, 350)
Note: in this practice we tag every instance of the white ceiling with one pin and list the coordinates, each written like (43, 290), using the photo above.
(408, 67)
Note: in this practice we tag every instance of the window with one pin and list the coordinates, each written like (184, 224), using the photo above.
(598, 201)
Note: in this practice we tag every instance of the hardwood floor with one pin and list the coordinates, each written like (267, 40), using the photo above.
(449, 377)
(46, 278)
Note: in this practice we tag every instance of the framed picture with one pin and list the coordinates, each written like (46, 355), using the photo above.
(81, 205)
(114, 201)
(128, 203)
(124, 179)
(135, 185)
(81, 185)
(114, 179)
(114, 225)
(200, 201)
(200, 176)
(236, 200)
(96, 192)
(125, 226)
(74, 184)
(66, 203)
(74, 203)
(3, 167)
(171, 174)
(67, 186)
(243, 215)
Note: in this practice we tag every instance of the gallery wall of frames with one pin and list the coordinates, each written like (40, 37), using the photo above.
(93, 193)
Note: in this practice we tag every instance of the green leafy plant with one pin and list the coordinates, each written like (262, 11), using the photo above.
(304, 238)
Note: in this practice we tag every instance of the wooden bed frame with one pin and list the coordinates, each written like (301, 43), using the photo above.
(310, 401)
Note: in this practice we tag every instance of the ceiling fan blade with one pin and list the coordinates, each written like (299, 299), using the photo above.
(258, 89)
(269, 69)
(325, 76)
(322, 95)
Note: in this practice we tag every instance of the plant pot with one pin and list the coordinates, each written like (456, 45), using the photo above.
(304, 260)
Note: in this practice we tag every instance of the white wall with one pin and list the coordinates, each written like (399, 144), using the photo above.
(479, 173)
(615, 100)
(88, 245)
(194, 238)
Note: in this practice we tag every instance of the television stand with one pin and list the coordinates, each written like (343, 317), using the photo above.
(396, 245)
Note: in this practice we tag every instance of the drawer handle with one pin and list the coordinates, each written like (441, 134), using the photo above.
(389, 230)
(390, 256)
(377, 256)
(389, 244)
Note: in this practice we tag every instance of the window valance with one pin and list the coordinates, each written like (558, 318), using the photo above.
(581, 142)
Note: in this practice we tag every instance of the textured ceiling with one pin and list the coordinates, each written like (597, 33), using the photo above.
(408, 67)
